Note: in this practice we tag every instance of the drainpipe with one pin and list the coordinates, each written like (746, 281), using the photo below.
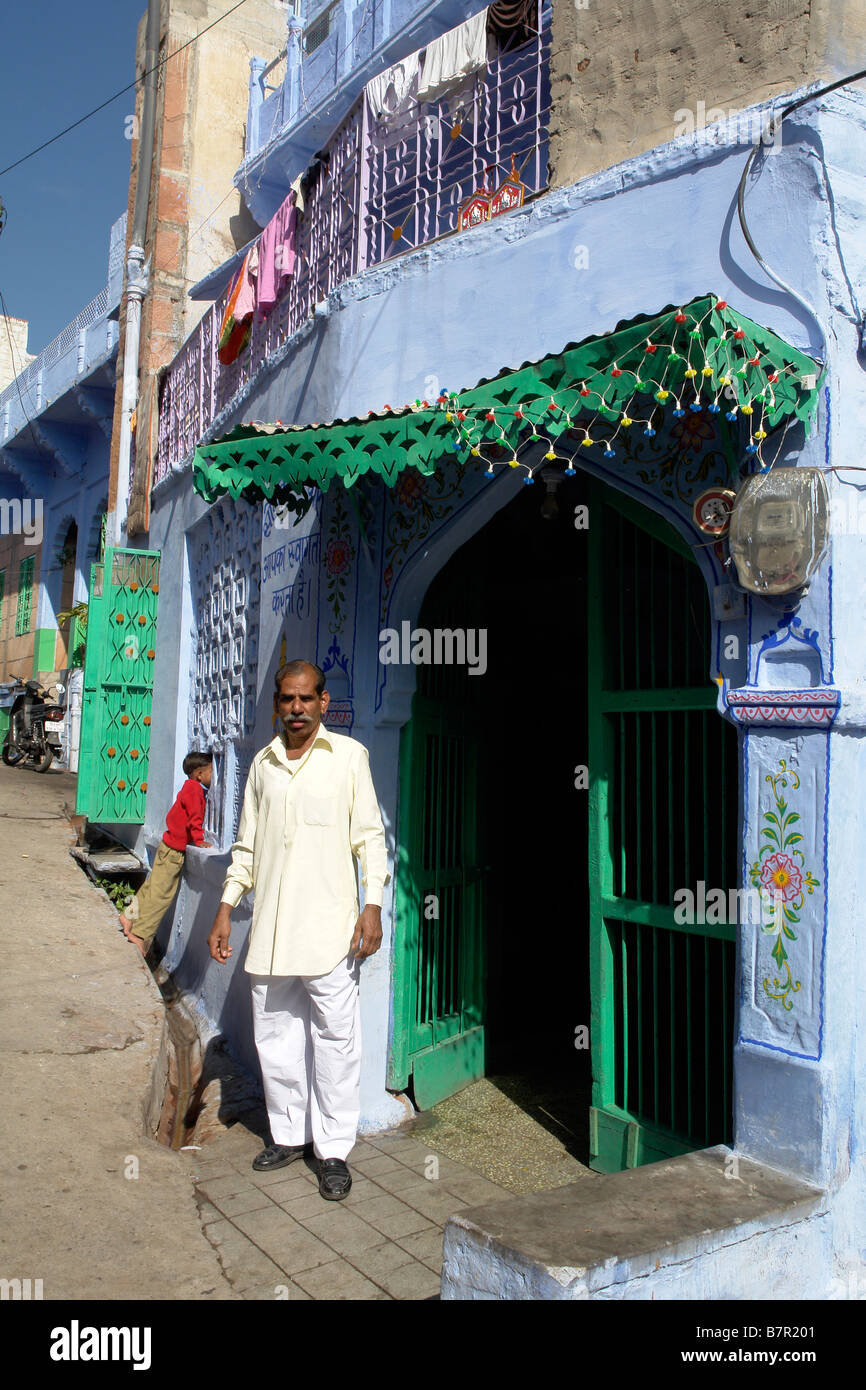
(137, 273)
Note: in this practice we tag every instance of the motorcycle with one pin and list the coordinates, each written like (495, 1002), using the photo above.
(35, 725)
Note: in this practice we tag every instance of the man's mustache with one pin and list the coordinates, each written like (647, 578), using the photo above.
(307, 718)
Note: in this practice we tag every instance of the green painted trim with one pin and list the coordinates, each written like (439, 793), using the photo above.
(268, 461)
(660, 698)
(44, 649)
(656, 915)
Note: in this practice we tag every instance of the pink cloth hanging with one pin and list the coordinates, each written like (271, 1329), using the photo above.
(277, 255)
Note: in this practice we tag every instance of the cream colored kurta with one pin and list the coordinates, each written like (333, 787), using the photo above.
(301, 824)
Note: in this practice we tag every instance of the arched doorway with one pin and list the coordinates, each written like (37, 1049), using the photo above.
(550, 808)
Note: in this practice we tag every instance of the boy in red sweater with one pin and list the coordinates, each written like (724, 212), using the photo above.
(183, 826)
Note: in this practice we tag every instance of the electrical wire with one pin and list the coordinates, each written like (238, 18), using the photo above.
(128, 88)
(741, 193)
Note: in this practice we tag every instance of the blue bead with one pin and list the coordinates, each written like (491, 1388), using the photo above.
(528, 479)
(695, 405)
(488, 473)
(570, 472)
(679, 413)
(649, 431)
(751, 448)
(730, 415)
(714, 409)
(610, 453)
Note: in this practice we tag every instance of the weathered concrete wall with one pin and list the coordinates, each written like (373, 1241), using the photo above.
(626, 75)
(14, 357)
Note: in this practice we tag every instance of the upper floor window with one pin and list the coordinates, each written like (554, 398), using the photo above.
(318, 30)
(25, 596)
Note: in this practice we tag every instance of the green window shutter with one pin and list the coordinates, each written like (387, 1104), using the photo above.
(25, 596)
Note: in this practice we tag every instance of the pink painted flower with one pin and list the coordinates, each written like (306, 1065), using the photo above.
(409, 489)
(781, 878)
(691, 431)
(338, 557)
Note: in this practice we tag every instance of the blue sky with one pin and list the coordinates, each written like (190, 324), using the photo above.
(58, 60)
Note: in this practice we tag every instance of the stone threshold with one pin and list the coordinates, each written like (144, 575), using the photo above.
(624, 1232)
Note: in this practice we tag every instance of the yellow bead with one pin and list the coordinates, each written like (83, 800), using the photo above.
(626, 420)
(513, 463)
(585, 442)
(475, 451)
(551, 455)
(690, 372)
(746, 409)
(707, 371)
(725, 380)
(448, 416)
(760, 434)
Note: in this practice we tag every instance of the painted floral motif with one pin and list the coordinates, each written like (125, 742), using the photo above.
(409, 489)
(339, 559)
(338, 556)
(782, 880)
(677, 463)
(692, 430)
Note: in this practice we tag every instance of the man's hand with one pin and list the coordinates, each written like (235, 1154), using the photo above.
(218, 941)
(367, 937)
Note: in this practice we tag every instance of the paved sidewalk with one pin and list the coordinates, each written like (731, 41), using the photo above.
(276, 1237)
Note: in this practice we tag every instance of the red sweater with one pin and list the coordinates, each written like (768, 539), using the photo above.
(183, 824)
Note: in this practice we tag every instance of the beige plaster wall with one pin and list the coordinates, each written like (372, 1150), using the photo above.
(196, 216)
(621, 70)
(15, 357)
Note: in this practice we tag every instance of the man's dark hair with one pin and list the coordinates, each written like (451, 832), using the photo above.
(195, 760)
(294, 668)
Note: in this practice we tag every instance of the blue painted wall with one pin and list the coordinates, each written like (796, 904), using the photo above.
(577, 262)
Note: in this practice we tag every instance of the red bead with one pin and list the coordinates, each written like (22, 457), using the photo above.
(721, 304)
(461, 415)
(490, 415)
(740, 333)
(616, 371)
(753, 361)
(680, 317)
(518, 414)
(651, 347)
(553, 406)
(774, 376)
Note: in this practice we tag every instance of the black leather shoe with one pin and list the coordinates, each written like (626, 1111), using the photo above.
(335, 1180)
(276, 1156)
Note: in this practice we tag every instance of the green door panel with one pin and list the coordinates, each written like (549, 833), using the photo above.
(438, 1034)
(448, 1067)
(663, 808)
(118, 686)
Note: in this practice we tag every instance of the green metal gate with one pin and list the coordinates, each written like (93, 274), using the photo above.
(118, 686)
(663, 809)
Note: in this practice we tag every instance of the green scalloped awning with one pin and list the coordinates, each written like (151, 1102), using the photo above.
(703, 351)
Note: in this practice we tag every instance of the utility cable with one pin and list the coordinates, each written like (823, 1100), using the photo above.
(741, 194)
(128, 88)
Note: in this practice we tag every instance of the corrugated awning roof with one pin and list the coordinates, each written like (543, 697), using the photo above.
(703, 356)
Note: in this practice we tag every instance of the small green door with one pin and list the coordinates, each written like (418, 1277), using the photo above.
(663, 772)
(118, 687)
(438, 1035)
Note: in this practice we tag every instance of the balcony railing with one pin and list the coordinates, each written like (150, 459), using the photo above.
(383, 193)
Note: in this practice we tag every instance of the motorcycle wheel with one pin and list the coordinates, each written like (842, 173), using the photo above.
(11, 754)
(42, 761)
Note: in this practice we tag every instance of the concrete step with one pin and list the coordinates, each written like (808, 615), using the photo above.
(697, 1226)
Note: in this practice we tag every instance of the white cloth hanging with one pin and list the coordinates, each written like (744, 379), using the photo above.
(389, 91)
(461, 51)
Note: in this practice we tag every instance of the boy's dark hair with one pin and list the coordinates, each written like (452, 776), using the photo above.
(195, 760)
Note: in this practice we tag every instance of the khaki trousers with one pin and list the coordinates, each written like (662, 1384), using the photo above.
(156, 894)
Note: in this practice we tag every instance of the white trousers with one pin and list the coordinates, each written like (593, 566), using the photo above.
(308, 1036)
